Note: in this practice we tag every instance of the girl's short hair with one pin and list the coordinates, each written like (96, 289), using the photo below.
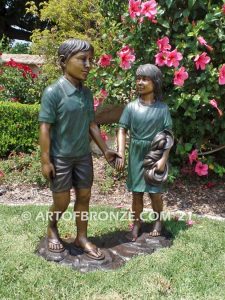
(155, 75)
(72, 46)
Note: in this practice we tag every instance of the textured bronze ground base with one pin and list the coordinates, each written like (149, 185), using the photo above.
(116, 247)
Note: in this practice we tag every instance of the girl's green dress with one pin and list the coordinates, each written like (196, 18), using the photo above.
(143, 122)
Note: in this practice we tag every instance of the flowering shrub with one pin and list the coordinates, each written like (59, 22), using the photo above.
(100, 98)
(127, 57)
(180, 76)
(186, 40)
(18, 83)
(200, 168)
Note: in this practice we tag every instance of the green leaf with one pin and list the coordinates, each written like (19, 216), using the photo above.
(186, 13)
(165, 24)
(169, 3)
(188, 147)
(191, 33)
(180, 149)
(191, 3)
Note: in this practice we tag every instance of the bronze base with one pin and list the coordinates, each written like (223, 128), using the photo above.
(116, 247)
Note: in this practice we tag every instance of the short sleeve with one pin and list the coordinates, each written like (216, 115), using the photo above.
(91, 107)
(167, 121)
(125, 119)
(48, 107)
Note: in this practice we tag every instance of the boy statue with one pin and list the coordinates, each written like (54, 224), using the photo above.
(66, 120)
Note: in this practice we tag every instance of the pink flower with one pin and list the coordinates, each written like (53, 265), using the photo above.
(179, 76)
(222, 74)
(223, 9)
(127, 57)
(141, 20)
(210, 48)
(105, 60)
(12, 63)
(161, 58)
(193, 156)
(214, 104)
(202, 41)
(163, 44)
(96, 103)
(104, 93)
(190, 223)
(120, 206)
(148, 9)
(1, 174)
(173, 58)
(201, 169)
(104, 136)
(33, 75)
(134, 8)
(100, 98)
(201, 61)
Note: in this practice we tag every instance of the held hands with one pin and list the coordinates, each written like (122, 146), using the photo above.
(120, 162)
(48, 170)
(112, 156)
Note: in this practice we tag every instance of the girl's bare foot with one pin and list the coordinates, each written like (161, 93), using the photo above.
(133, 235)
(157, 229)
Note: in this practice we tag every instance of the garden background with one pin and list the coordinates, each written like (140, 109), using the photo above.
(186, 40)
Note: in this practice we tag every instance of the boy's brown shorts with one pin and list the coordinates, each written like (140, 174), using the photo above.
(72, 172)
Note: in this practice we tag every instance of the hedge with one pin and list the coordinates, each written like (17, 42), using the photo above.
(18, 127)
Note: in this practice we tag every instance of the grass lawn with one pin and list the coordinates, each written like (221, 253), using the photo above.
(193, 268)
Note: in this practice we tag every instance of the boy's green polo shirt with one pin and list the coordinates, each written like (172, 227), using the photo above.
(69, 110)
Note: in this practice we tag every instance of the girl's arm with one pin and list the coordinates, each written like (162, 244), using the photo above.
(121, 143)
(109, 154)
(48, 169)
(160, 164)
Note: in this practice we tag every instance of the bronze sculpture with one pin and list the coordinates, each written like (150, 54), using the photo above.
(66, 120)
(144, 118)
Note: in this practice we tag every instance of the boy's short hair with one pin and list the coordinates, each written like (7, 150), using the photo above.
(155, 75)
(72, 46)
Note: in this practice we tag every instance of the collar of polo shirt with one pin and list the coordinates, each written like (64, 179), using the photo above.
(68, 87)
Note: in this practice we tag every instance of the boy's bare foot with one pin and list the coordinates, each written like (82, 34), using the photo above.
(54, 243)
(88, 248)
(157, 229)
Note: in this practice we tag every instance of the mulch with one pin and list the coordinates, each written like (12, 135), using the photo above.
(189, 194)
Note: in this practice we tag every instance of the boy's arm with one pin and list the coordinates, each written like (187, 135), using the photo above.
(48, 169)
(121, 143)
(109, 154)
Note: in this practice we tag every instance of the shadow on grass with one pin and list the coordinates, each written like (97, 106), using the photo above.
(170, 230)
